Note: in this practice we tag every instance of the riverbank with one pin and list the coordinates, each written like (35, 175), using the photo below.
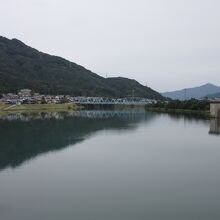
(199, 113)
(26, 108)
(4, 108)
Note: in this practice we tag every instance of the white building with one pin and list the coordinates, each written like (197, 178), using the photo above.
(24, 93)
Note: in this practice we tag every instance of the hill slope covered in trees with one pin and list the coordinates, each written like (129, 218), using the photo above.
(24, 67)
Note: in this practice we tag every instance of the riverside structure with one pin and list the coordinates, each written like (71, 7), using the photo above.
(215, 109)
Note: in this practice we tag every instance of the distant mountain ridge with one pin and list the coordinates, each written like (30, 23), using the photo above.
(195, 92)
(24, 67)
(214, 96)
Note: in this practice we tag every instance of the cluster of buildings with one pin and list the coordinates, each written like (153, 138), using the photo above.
(26, 96)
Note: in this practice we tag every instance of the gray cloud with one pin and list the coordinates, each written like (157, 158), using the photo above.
(167, 44)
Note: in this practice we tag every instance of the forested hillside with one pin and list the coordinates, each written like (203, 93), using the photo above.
(24, 67)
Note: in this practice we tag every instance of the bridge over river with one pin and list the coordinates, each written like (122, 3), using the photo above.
(112, 101)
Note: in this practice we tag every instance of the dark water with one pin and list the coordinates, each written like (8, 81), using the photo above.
(104, 165)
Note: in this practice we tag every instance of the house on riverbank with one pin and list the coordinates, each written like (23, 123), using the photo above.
(215, 109)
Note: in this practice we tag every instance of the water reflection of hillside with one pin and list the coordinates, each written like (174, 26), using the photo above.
(24, 136)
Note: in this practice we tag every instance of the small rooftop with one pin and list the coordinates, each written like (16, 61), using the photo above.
(217, 101)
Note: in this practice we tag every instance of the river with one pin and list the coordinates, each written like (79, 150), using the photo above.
(109, 165)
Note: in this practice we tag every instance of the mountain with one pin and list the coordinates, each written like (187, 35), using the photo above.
(24, 67)
(196, 92)
(213, 96)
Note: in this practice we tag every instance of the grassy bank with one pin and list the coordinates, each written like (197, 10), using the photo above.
(201, 113)
(37, 108)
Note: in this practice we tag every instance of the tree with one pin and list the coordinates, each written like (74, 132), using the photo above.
(64, 100)
(43, 100)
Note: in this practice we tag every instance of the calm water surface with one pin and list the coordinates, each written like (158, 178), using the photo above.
(106, 165)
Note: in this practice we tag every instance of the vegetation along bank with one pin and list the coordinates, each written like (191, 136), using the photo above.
(192, 106)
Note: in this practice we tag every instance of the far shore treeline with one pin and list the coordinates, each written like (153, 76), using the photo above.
(192, 104)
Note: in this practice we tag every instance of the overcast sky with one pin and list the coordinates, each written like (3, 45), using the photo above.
(166, 44)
